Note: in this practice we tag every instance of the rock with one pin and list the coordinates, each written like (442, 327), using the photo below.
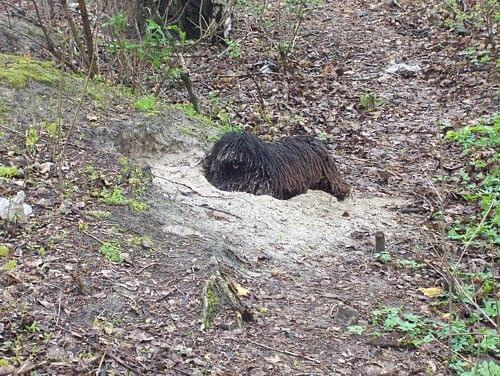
(43, 202)
(147, 243)
(403, 69)
(45, 167)
(382, 370)
(14, 209)
(345, 315)
(65, 207)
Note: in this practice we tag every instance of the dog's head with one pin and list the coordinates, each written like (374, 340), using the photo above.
(234, 159)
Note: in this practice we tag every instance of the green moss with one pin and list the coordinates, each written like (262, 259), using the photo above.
(191, 113)
(112, 251)
(146, 104)
(104, 94)
(8, 171)
(212, 302)
(17, 71)
(4, 362)
(10, 265)
(138, 206)
(4, 250)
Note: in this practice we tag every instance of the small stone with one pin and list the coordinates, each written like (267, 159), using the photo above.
(275, 272)
(345, 315)
(65, 207)
(146, 243)
(42, 202)
(45, 167)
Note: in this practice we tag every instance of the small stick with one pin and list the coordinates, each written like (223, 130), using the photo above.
(379, 242)
(147, 266)
(93, 237)
(11, 130)
(184, 185)
(181, 371)
(102, 360)
(189, 85)
(285, 352)
(59, 305)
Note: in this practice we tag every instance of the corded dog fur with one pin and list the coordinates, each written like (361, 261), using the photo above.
(282, 169)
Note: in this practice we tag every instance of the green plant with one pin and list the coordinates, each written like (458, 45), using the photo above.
(155, 56)
(356, 329)
(383, 257)
(478, 58)
(264, 310)
(112, 251)
(91, 172)
(99, 214)
(234, 48)
(32, 328)
(138, 206)
(282, 25)
(32, 139)
(8, 171)
(114, 197)
(134, 176)
(146, 104)
(480, 182)
(370, 101)
(52, 128)
(10, 265)
(4, 250)
(17, 71)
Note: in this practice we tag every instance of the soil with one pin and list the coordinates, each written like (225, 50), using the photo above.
(307, 265)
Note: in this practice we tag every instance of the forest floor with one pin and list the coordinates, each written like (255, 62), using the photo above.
(107, 276)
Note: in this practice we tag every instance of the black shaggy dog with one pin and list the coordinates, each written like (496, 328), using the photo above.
(282, 169)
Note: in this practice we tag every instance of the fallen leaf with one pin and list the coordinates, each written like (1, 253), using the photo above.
(431, 292)
(240, 290)
(273, 359)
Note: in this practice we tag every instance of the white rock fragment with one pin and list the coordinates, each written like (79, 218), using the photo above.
(403, 68)
(14, 209)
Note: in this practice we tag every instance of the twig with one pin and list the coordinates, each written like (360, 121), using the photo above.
(93, 237)
(59, 305)
(182, 293)
(185, 185)
(205, 206)
(284, 352)
(147, 266)
(189, 85)
(493, 202)
(179, 370)
(97, 372)
(11, 130)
